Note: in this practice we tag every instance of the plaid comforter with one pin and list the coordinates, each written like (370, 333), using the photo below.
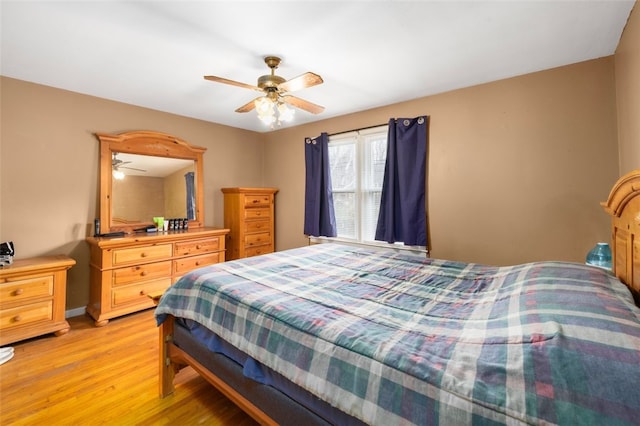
(395, 338)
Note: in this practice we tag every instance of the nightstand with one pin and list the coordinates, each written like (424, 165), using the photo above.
(32, 297)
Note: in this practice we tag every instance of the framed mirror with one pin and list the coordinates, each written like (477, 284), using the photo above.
(145, 174)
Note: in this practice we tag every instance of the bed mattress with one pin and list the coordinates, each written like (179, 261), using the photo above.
(394, 338)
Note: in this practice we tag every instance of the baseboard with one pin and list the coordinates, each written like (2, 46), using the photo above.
(74, 312)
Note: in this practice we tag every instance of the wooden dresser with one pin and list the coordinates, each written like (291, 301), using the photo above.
(32, 297)
(249, 215)
(125, 271)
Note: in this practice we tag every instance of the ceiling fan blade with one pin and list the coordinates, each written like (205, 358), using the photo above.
(248, 106)
(133, 168)
(231, 82)
(302, 104)
(303, 81)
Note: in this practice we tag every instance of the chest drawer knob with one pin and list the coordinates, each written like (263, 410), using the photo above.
(142, 293)
(17, 318)
(18, 292)
(143, 254)
(198, 246)
(143, 273)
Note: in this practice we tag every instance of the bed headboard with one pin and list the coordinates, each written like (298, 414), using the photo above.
(623, 205)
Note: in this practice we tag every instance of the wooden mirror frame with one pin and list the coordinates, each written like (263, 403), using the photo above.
(145, 143)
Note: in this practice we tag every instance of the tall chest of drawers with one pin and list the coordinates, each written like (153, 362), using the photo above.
(32, 297)
(125, 271)
(249, 215)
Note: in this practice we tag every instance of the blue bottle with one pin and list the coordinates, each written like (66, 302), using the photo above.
(600, 256)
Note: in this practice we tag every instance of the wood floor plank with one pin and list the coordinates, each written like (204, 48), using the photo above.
(104, 375)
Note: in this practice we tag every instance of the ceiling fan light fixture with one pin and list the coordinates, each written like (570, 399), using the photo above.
(117, 174)
(272, 112)
(264, 105)
(284, 113)
(264, 108)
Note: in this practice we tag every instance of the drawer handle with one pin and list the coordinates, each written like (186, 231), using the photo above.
(258, 214)
(198, 263)
(18, 292)
(142, 293)
(17, 318)
(198, 246)
(143, 254)
(255, 201)
(143, 273)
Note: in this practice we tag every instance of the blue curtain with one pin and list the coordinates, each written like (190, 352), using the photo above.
(402, 216)
(319, 215)
(191, 198)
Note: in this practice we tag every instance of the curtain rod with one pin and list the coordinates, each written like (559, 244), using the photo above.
(362, 128)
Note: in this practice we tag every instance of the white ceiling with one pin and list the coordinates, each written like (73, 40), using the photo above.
(154, 54)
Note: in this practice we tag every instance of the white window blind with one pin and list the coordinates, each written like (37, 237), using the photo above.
(357, 161)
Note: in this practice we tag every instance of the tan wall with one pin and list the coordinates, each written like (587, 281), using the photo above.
(517, 167)
(627, 64)
(49, 167)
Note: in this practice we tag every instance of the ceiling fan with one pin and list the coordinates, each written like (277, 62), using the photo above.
(275, 90)
(118, 164)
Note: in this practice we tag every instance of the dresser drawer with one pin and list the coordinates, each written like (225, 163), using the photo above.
(258, 250)
(251, 226)
(142, 272)
(257, 239)
(137, 293)
(257, 200)
(25, 289)
(182, 266)
(260, 213)
(26, 314)
(198, 246)
(137, 254)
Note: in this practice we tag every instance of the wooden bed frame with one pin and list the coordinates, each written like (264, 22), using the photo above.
(623, 205)
(172, 359)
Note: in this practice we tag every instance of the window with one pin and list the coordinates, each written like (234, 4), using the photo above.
(357, 161)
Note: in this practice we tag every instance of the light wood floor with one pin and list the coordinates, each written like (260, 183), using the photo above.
(104, 375)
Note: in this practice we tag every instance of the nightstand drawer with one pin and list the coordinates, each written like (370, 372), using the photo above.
(198, 246)
(137, 293)
(142, 272)
(257, 214)
(26, 289)
(257, 226)
(140, 254)
(26, 314)
(257, 200)
(257, 239)
(182, 266)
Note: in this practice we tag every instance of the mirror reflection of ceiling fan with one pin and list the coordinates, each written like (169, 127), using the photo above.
(117, 164)
(271, 105)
